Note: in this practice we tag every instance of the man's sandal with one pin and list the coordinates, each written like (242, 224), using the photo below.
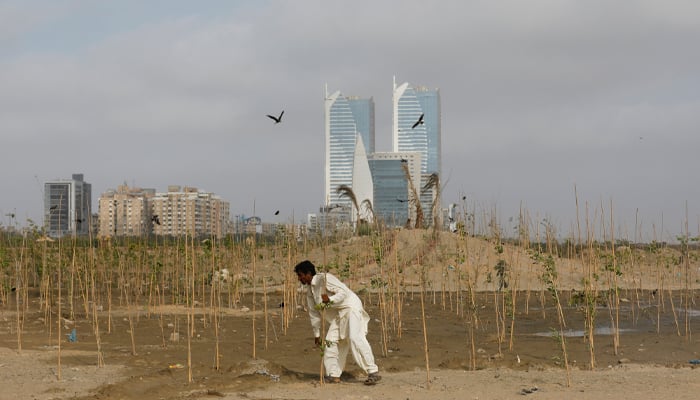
(373, 378)
(331, 379)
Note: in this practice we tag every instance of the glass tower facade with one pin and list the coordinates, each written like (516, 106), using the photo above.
(67, 206)
(363, 112)
(390, 191)
(346, 118)
(409, 104)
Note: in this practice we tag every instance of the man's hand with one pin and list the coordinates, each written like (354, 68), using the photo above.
(317, 341)
(325, 298)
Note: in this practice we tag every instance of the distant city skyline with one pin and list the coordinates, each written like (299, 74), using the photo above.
(350, 143)
(578, 113)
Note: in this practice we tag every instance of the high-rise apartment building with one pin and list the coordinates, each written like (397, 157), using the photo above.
(67, 206)
(125, 212)
(345, 119)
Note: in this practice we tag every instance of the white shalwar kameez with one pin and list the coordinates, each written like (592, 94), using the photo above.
(348, 325)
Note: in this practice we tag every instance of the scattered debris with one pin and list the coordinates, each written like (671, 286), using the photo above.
(263, 371)
(72, 336)
(212, 392)
(527, 391)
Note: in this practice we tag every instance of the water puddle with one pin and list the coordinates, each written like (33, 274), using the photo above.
(603, 330)
(691, 312)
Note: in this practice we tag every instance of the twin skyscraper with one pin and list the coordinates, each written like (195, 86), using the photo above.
(387, 186)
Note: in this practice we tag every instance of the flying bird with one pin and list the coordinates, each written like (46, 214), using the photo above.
(419, 122)
(155, 220)
(277, 212)
(276, 119)
(400, 200)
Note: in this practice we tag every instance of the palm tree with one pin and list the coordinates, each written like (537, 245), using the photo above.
(367, 206)
(414, 200)
(346, 191)
(433, 183)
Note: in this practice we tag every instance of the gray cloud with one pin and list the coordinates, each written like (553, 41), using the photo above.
(537, 97)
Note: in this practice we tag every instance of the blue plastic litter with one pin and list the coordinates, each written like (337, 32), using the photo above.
(694, 361)
(73, 336)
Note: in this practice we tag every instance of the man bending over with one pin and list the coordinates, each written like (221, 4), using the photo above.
(347, 320)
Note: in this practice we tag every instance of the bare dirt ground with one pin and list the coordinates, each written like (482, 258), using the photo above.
(653, 361)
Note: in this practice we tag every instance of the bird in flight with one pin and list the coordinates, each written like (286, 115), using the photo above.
(419, 122)
(277, 212)
(276, 119)
(400, 200)
(155, 220)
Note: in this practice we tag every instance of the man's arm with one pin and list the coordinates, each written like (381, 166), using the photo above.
(314, 315)
(336, 288)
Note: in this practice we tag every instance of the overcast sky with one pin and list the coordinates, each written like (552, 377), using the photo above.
(539, 99)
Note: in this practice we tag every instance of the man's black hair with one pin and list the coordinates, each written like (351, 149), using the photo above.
(305, 267)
